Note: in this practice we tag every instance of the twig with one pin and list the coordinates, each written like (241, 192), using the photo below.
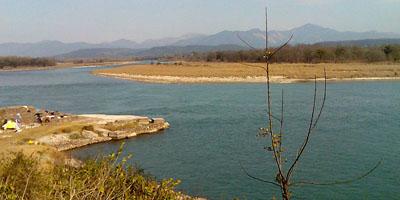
(279, 48)
(289, 173)
(281, 129)
(323, 101)
(257, 178)
(338, 182)
(246, 43)
(26, 184)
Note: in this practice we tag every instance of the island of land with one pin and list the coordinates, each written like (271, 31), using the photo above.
(219, 72)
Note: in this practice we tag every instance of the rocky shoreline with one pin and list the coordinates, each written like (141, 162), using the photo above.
(97, 131)
(67, 131)
(59, 132)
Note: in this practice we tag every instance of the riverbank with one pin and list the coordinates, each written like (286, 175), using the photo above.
(43, 136)
(251, 73)
(52, 132)
(62, 65)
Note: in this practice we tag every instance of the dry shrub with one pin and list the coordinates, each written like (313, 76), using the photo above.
(107, 177)
(121, 125)
(88, 128)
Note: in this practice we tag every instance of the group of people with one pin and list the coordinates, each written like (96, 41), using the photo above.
(47, 116)
(32, 119)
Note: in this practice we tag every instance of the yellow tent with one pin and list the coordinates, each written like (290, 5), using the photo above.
(10, 125)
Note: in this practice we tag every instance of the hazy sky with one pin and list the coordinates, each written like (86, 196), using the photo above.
(107, 20)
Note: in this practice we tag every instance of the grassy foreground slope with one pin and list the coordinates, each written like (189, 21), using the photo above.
(243, 70)
(22, 177)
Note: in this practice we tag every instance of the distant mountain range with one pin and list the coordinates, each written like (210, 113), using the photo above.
(307, 34)
(145, 53)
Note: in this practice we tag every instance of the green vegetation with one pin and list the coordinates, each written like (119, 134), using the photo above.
(108, 177)
(121, 125)
(15, 61)
(306, 54)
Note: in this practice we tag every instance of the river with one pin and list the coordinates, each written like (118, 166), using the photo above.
(214, 127)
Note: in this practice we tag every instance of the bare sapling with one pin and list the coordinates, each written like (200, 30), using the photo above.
(275, 129)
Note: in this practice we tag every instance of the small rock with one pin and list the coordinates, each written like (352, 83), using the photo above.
(101, 131)
(89, 134)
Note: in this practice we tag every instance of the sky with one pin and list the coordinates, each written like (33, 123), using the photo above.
(107, 20)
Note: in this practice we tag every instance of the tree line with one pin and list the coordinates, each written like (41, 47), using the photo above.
(16, 61)
(304, 54)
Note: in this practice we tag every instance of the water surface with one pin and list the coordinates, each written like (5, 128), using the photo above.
(214, 127)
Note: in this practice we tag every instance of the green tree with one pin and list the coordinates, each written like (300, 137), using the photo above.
(320, 54)
(340, 53)
(374, 55)
(388, 50)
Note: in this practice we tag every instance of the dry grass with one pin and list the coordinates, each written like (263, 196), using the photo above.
(291, 71)
(13, 142)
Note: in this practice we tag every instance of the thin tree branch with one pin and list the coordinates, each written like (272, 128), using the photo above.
(338, 182)
(278, 164)
(269, 56)
(281, 129)
(255, 66)
(308, 132)
(323, 101)
(245, 42)
(257, 178)
(26, 184)
(266, 29)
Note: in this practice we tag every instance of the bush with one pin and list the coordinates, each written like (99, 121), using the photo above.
(21, 178)
(107, 177)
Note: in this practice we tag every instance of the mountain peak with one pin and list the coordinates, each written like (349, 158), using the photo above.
(255, 30)
(310, 26)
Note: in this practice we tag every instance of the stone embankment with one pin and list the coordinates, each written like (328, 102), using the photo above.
(103, 128)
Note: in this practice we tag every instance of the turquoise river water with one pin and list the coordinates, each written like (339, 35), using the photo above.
(214, 128)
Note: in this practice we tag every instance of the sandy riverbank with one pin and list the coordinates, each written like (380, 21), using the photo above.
(243, 73)
(257, 79)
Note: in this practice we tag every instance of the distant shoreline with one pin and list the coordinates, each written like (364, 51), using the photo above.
(61, 66)
(209, 72)
(257, 79)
